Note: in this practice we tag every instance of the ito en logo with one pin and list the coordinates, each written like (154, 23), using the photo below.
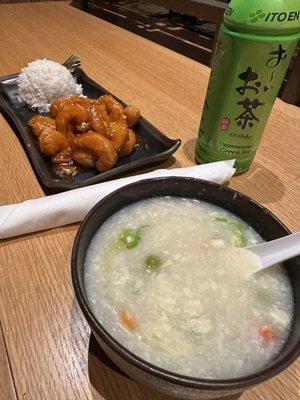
(254, 17)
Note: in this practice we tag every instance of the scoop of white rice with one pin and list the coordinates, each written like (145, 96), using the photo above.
(43, 81)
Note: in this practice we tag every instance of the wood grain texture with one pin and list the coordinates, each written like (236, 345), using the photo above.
(7, 390)
(24, 1)
(46, 336)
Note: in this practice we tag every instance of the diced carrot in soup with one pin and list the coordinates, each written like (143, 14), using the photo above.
(267, 333)
(127, 321)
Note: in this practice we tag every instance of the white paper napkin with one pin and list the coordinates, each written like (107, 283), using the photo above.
(72, 206)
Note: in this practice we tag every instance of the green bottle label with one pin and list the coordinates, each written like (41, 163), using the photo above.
(246, 76)
(263, 17)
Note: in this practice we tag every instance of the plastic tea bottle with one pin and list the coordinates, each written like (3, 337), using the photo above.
(256, 43)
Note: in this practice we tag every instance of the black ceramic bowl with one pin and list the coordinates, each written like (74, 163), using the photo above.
(265, 223)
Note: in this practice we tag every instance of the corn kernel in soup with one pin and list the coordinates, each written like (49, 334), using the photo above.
(169, 279)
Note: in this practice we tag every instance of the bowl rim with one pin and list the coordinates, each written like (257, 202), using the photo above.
(138, 362)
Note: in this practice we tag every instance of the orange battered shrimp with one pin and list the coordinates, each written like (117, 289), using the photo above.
(84, 127)
(57, 105)
(117, 133)
(117, 115)
(114, 109)
(132, 115)
(101, 111)
(69, 114)
(129, 144)
(110, 103)
(91, 132)
(99, 146)
(98, 123)
(38, 123)
(84, 158)
(52, 142)
(97, 116)
(82, 101)
(63, 156)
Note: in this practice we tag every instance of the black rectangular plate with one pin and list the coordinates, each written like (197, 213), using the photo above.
(153, 147)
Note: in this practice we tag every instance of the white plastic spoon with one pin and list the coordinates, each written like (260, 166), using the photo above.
(277, 250)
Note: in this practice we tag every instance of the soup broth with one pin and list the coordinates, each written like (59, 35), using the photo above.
(169, 279)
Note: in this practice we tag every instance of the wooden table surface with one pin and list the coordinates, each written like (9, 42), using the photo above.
(44, 340)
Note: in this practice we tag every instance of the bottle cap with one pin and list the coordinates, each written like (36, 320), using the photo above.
(263, 17)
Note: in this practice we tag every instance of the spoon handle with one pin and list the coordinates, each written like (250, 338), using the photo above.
(278, 250)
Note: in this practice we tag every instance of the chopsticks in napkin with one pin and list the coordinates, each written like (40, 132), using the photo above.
(72, 206)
